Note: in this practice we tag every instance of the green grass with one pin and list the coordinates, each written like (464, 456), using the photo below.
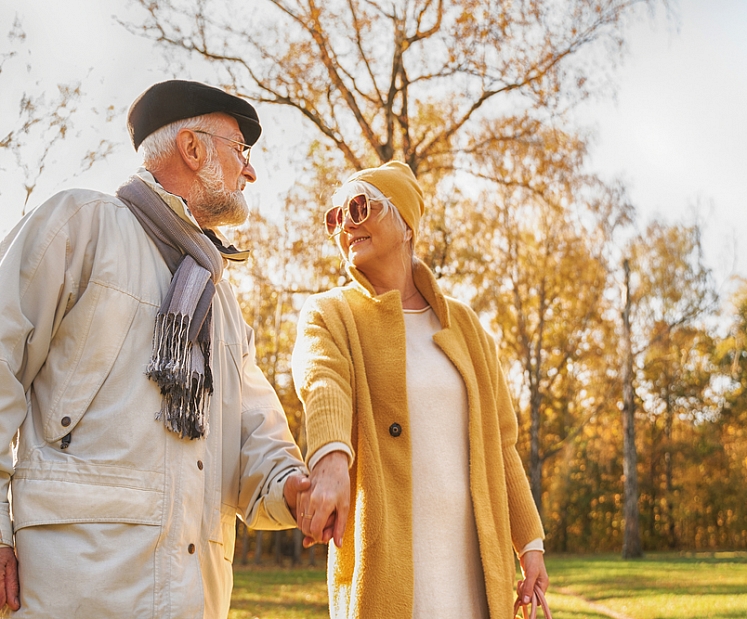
(659, 586)
(279, 593)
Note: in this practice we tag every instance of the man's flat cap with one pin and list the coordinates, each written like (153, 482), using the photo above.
(167, 102)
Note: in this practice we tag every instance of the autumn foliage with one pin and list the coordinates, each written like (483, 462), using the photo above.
(474, 95)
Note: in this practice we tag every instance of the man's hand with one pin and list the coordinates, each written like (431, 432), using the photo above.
(295, 484)
(323, 511)
(533, 569)
(9, 579)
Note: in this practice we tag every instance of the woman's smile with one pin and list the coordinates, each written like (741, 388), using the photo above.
(357, 240)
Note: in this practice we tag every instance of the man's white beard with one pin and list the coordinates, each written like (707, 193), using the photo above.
(213, 203)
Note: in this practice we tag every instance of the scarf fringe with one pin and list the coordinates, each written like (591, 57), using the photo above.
(182, 371)
(180, 366)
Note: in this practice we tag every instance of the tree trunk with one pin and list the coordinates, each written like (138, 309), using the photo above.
(535, 461)
(312, 556)
(244, 544)
(669, 474)
(258, 549)
(297, 546)
(653, 493)
(278, 546)
(631, 536)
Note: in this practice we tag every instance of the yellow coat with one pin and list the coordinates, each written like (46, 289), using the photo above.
(349, 370)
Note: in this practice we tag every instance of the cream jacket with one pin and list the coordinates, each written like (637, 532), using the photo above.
(349, 369)
(113, 515)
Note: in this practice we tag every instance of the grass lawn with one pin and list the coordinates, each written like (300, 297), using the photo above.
(279, 593)
(659, 586)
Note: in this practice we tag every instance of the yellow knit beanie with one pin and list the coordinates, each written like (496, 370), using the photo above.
(397, 182)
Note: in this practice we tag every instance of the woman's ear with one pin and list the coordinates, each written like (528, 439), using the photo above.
(408, 234)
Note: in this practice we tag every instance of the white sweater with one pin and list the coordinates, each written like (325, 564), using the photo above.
(448, 576)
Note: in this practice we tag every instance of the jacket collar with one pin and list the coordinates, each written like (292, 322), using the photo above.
(425, 282)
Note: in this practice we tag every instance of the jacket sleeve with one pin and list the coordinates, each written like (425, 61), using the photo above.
(36, 288)
(525, 520)
(323, 377)
(268, 452)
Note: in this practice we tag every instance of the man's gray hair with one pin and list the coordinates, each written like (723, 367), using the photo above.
(161, 144)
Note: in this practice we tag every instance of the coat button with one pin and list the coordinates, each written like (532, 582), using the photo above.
(199, 464)
(395, 430)
(191, 549)
(65, 421)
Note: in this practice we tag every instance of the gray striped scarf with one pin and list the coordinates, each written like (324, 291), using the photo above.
(180, 362)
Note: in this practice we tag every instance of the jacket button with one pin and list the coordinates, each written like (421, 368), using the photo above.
(199, 464)
(65, 421)
(191, 549)
(395, 430)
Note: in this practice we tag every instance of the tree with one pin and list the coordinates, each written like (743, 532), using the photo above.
(531, 259)
(722, 474)
(632, 539)
(672, 289)
(676, 373)
(412, 79)
(44, 120)
(472, 95)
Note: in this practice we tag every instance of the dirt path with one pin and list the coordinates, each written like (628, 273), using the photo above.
(600, 608)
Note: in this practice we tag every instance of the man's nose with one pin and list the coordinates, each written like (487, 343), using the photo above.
(249, 172)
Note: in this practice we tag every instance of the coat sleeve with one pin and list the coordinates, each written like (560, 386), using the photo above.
(36, 288)
(525, 520)
(268, 452)
(322, 373)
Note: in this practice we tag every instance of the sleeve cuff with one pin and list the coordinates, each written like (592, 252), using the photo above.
(535, 544)
(275, 503)
(327, 449)
(6, 528)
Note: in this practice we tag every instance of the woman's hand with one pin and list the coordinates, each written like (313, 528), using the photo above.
(535, 574)
(322, 511)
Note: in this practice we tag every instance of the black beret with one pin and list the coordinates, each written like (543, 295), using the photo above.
(167, 102)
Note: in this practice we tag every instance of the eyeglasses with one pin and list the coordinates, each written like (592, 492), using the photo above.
(357, 207)
(244, 152)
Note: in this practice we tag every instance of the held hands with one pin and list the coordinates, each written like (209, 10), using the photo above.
(535, 574)
(322, 511)
(295, 484)
(9, 579)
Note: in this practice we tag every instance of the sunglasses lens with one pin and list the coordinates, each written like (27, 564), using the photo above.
(333, 219)
(358, 207)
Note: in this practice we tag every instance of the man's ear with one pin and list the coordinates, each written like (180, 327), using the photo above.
(190, 149)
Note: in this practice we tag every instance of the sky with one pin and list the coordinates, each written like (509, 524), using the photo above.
(675, 131)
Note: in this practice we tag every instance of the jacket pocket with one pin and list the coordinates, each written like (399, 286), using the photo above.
(225, 533)
(81, 356)
(59, 492)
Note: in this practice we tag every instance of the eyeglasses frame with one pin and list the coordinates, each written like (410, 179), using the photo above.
(345, 208)
(246, 149)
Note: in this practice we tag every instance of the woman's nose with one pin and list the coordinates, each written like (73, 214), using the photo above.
(347, 220)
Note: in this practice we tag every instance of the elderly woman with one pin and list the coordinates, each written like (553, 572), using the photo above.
(411, 431)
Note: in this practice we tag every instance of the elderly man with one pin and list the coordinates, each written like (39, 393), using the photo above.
(140, 423)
